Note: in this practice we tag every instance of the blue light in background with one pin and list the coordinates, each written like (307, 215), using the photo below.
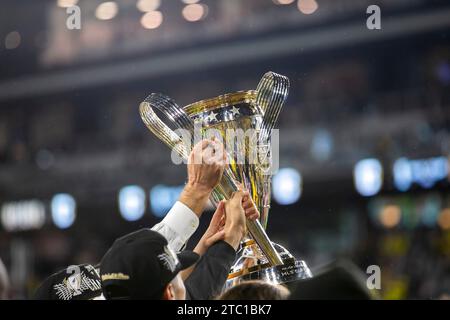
(403, 177)
(443, 72)
(431, 209)
(424, 172)
(63, 208)
(368, 177)
(429, 171)
(132, 202)
(162, 198)
(322, 145)
(287, 186)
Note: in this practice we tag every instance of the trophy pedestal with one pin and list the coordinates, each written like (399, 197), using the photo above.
(252, 265)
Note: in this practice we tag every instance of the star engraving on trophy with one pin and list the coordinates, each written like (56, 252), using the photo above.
(212, 116)
(235, 111)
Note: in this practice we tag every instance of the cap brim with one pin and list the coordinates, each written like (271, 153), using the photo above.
(187, 258)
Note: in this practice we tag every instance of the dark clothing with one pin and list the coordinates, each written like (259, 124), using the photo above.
(210, 273)
(140, 265)
(340, 280)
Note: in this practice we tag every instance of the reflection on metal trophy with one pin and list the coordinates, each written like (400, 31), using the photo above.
(244, 121)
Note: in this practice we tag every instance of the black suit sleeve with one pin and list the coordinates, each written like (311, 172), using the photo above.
(210, 273)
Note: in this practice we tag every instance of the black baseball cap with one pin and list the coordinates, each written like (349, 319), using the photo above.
(76, 282)
(140, 265)
(339, 280)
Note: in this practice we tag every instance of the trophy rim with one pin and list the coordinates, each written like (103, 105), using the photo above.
(224, 100)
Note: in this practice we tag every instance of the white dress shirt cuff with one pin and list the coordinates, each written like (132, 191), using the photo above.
(178, 225)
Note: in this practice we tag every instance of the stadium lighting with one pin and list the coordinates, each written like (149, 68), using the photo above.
(368, 177)
(132, 202)
(23, 215)
(322, 145)
(283, 2)
(287, 186)
(162, 198)
(402, 174)
(443, 72)
(63, 208)
(148, 5)
(106, 10)
(195, 12)
(12, 40)
(66, 3)
(444, 219)
(430, 210)
(152, 19)
(307, 6)
(425, 172)
(390, 216)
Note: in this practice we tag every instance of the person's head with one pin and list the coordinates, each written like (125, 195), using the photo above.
(341, 280)
(175, 290)
(4, 282)
(255, 290)
(140, 266)
(76, 282)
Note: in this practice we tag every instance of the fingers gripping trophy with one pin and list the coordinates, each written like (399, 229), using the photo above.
(244, 121)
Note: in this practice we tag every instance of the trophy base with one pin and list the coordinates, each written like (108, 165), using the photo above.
(250, 266)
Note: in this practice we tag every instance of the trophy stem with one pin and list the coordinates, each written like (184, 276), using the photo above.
(259, 234)
(254, 227)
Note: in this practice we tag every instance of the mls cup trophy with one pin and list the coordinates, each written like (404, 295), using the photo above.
(254, 111)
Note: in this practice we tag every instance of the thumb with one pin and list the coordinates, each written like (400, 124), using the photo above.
(218, 214)
(220, 206)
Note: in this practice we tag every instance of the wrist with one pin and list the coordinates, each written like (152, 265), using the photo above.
(198, 189)
(195, 196)
(234, 228)
(234, 235)
(201, 247)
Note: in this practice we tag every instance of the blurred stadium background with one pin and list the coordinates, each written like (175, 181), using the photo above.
(364, 135)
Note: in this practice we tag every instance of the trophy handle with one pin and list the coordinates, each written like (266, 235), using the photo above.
(173, 112)
(272, 92)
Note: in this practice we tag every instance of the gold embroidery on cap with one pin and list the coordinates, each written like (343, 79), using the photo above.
(115, 276)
